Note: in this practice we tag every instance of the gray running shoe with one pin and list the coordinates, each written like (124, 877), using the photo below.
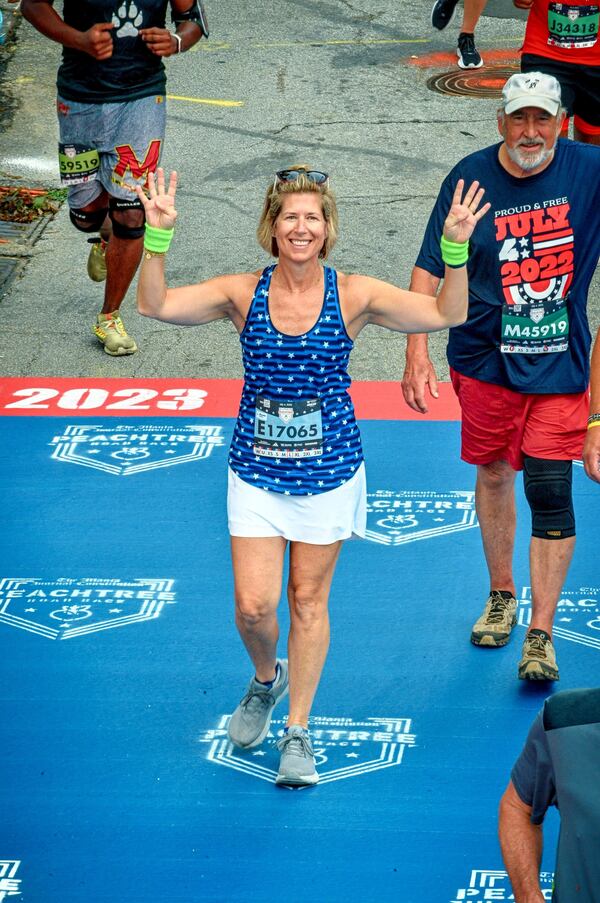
(297, 765)
(539, 658)
(249, 724)
(498, 619)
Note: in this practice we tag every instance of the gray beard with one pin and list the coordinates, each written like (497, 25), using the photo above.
(529, 161)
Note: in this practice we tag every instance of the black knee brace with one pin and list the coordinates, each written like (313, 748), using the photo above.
(121, 229)
(548, 489)
(88, 221)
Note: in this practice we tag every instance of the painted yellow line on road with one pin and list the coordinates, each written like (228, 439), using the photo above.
(358, 42)
(207, 100)
(213, 47)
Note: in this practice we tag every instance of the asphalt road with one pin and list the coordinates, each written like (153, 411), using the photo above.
(341, 85)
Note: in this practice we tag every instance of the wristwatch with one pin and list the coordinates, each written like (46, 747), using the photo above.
(178, 38)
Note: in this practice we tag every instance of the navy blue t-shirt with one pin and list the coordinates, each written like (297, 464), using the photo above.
(531, 260)
(132, 72)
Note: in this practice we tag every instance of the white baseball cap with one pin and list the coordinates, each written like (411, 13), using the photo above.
(531, 89)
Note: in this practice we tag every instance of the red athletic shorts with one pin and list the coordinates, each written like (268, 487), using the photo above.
(501, 425)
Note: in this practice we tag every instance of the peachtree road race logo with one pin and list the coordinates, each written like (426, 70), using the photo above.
(493, 884)
(343, 748)
(9, 885)
(65, 608)
(577, 615)
(126, 450)
(397, 517)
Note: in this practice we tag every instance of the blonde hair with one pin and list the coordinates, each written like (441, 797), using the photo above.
(274, 202)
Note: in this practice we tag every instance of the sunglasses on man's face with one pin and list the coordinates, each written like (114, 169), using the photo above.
(292, 175)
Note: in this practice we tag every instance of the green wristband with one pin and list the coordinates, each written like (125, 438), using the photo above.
(157, 240)
(454, 254)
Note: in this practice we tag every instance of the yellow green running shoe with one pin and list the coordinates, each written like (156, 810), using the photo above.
(96, 265)
(111, 332)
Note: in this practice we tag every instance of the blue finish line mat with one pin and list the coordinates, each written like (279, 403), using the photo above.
(121, 664)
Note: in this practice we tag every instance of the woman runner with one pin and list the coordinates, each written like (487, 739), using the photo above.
(296, 470)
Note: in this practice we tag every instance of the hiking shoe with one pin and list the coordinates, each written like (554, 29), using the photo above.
(468, 56)
(96, 265)
(498, 619)
(442, 13)
(109, 330)
(297, 764)
(539, 658)
(249, 724)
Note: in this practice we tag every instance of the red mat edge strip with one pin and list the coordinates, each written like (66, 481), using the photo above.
(129, 397)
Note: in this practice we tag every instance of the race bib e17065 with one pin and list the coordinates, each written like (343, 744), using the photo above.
(288, 429)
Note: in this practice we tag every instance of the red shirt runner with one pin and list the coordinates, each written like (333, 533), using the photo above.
(567, 32)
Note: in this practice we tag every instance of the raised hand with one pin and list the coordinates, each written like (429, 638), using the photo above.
(464, 214)
(159, 205)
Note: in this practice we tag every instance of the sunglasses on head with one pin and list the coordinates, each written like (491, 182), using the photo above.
(292, 175)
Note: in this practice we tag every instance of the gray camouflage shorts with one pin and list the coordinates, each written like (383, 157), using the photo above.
(110, 147)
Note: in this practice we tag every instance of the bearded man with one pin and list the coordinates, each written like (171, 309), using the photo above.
(520, 363)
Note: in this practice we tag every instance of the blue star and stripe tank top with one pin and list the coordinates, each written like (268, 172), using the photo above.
(296, 432)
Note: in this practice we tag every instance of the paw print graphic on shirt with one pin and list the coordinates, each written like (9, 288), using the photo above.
(127, 20)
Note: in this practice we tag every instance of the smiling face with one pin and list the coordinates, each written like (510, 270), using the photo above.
(300, 229)
(530, 136)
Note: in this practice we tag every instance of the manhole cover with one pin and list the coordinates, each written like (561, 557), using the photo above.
(486, 82)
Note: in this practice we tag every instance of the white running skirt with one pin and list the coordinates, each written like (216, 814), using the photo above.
(318, 519)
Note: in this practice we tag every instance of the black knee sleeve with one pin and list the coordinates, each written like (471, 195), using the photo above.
(548, 489)
(119, 213)
(88, 221)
